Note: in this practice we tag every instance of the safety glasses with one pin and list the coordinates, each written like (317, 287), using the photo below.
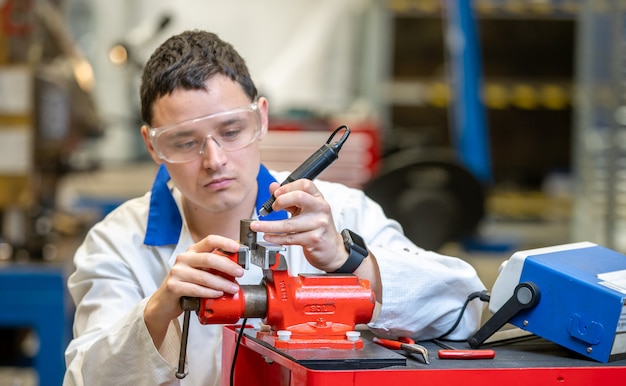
(186, 141)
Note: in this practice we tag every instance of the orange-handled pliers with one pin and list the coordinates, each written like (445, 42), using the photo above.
(405, 344)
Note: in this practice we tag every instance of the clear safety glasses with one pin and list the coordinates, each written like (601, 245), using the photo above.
(185, 141)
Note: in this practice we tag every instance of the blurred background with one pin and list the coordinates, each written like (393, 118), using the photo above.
(485, 127)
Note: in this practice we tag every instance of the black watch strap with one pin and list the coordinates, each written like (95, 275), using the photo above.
(357, 251)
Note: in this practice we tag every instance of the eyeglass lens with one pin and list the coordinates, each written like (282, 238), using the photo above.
(231, 131)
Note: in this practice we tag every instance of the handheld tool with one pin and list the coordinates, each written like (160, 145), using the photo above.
(450, 352)
(314, 165)
(466, 354)
(405, 344)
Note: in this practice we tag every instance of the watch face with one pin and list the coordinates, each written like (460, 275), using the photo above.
(354, 241)
(357, 251)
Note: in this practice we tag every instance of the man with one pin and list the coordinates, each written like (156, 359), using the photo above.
(203, 123)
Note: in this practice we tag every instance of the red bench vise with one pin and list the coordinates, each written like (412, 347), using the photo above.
(303, 311)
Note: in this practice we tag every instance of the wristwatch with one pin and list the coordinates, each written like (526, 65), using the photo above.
(356, 247)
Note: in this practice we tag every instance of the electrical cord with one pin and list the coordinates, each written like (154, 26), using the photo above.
(232, 365)
(482, 295)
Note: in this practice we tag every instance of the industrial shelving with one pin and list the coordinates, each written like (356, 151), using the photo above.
(600, 126)
(527, 52)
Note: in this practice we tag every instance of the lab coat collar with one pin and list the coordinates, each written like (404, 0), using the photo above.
(165, 221)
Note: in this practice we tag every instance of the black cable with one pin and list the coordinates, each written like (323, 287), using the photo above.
(483, 295)
(232, 365)
(443, 345)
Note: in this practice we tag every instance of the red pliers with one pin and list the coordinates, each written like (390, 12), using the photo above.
(405, 344)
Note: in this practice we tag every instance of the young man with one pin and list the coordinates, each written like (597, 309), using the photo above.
(203, 123)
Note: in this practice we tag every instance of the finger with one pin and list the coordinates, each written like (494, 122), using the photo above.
(197, 291)
(214, 283)
(286, 238)
(292, 225)
(303, 184)
(306, 220)
(206, 261)
(213, 242)
(212, 278)
(227, 265)
(273, 187)
(297, 201)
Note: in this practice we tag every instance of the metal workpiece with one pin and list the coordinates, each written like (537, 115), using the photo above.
(244, 258)
(247, 236)
(261, 254)
(268, 257)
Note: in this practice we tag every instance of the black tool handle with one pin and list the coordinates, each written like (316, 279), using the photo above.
(525, 295)
(187, 304)
(314, 165)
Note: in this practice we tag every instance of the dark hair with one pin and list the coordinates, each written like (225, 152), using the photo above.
(186, 61)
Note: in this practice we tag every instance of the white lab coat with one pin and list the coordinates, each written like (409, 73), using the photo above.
(116, 273)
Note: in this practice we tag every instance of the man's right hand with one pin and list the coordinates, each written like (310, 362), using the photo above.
(190, 276)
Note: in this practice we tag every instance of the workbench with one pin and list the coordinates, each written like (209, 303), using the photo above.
(533, 361)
